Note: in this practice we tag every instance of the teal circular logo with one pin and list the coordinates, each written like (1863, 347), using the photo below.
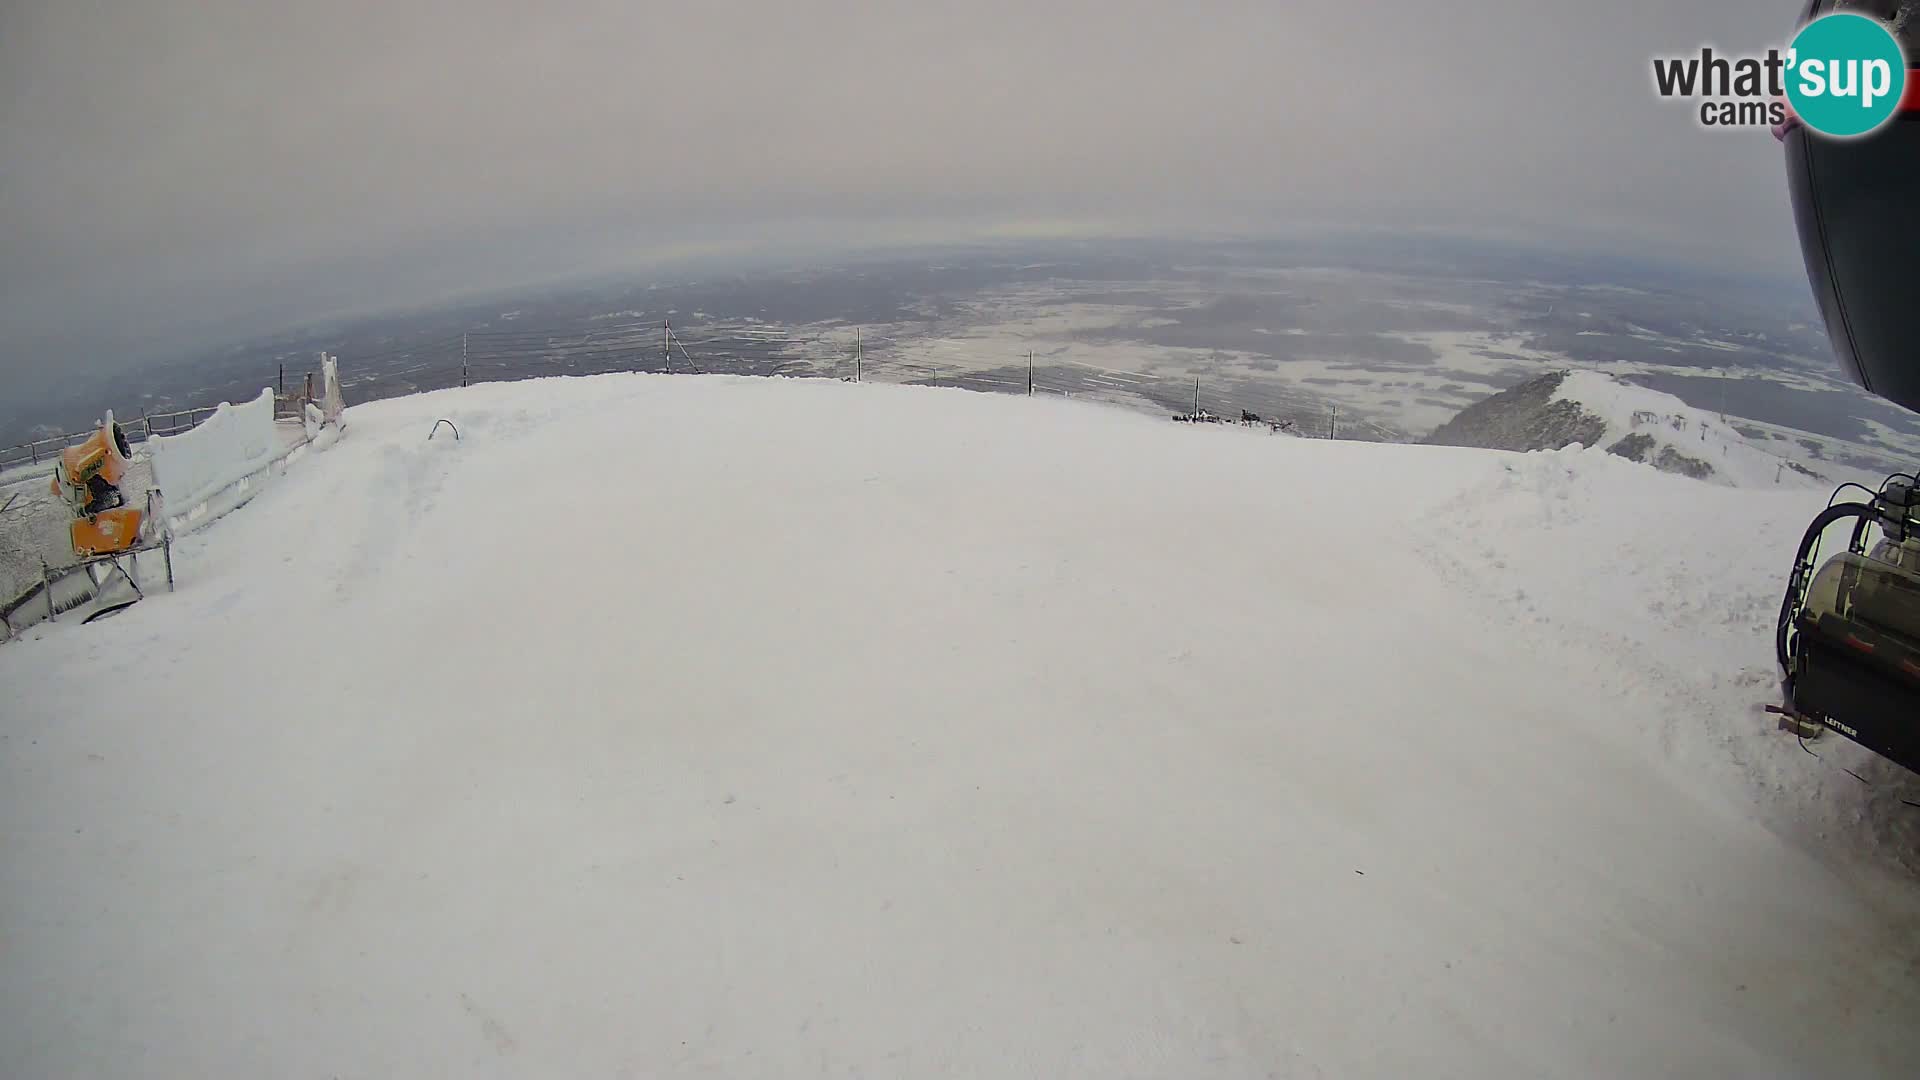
(1845, 74)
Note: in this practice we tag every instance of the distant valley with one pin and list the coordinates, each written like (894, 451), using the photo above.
(1372, 339)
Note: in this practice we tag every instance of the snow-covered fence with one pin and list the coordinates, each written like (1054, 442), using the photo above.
(220, 465)
(318, 389)
(333, 405)
(151, 425)
(229, 464)
(235, 441)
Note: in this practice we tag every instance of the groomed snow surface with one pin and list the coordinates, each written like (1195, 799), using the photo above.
(709, 726)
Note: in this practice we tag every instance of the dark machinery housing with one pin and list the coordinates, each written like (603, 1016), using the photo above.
(1849, 634)
(1848, 639)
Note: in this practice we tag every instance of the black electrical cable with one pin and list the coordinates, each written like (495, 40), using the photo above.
(1851, 484)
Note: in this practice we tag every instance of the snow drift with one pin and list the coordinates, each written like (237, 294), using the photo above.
(749, 727)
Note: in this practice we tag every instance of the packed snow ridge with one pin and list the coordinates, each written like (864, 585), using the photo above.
(674, 725)
(1590, 408)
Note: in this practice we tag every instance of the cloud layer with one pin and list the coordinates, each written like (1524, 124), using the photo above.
(175, 172)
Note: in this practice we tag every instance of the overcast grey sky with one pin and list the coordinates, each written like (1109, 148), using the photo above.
(175, 171)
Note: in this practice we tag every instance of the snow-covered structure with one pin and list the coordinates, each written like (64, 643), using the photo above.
(333, 405)
(906, 731)
(236, 441)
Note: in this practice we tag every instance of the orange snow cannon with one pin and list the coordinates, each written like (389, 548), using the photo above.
(105, 533)
(88, 477)
(96, 465)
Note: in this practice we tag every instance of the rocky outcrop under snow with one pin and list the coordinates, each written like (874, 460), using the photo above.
(1564, 408)
(1526, 417)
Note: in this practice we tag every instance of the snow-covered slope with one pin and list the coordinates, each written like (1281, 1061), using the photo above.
(1659, 429)
(1594, 409)
(673, 726)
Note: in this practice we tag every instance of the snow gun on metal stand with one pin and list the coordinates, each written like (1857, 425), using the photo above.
(103, 528)
(88, 477)
(1848, 637)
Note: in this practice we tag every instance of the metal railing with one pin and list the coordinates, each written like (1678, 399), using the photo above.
(138, 430)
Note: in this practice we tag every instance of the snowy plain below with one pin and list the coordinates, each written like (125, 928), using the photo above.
(755, 727)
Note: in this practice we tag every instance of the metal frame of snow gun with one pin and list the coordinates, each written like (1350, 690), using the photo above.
(1848, 636)
(112, 583)
(109, 565)
(51, 598)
